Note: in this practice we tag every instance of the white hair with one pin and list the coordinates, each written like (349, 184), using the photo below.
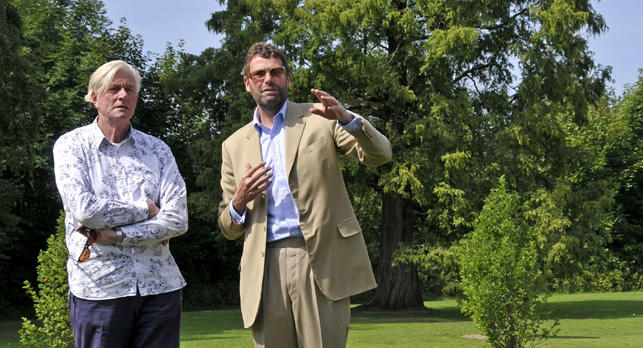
(102, 78)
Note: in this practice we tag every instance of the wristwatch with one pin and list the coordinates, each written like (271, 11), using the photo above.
(119, 234)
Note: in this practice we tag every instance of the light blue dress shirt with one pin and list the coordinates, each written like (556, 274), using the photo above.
(283, 216)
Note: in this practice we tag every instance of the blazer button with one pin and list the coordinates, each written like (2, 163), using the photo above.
(262, 254)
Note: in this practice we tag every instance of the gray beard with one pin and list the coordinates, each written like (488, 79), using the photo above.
(273, 105)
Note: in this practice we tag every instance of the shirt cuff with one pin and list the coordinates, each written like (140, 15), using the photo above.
(77, 241)
(236, 218)
(353, 125)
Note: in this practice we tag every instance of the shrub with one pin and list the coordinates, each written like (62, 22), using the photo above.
(52, 327)
(503, 283)
(604, 272)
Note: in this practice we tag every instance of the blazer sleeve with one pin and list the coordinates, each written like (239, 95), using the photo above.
(229, 229)
(366, 144)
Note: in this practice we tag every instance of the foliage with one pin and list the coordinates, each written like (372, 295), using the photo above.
(623, 146)
(438, 269)
(52, 48)
(603, 272)
(503, 279)
(608, 169)
(52, 328)
(185, 103)
(465, 91)
(18, 157)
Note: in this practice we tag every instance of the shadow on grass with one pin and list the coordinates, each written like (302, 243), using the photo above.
(573, 337)
(595, 309)
(585, 309)
(428, 315)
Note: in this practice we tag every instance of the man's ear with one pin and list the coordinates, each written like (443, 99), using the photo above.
(246, 82)
(93, 98)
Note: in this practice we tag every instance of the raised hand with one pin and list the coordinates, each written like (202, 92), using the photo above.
(331, 108)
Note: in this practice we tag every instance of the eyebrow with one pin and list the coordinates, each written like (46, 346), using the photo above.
(126, 85)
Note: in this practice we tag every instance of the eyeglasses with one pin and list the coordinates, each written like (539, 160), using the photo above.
(260, 75)
(91, 239)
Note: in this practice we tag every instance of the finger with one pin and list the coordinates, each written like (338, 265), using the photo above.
(260, 185)
(329, 100)
(319, 93)
(263, 187)
(264, 179)
(259, 174)
(251, 170)
(316, 111)
(326, 113)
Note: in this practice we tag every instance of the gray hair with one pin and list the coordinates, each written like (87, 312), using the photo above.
(102, 78)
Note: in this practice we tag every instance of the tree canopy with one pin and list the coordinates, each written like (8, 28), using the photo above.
(466, 91)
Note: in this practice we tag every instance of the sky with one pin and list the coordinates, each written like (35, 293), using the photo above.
(163, 21)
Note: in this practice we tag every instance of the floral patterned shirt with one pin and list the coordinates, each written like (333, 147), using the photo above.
(105, 185)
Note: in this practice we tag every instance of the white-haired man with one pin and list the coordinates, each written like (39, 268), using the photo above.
(124, 198)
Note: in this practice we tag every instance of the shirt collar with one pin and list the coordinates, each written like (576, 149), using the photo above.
(97, 137)
(281, 114)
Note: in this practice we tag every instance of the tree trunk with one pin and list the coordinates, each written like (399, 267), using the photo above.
(398, 287)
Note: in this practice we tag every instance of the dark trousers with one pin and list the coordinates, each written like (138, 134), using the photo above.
(128, 322)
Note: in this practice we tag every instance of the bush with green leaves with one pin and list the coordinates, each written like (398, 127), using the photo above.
(51, 327)
(503, 282)
(605, 271)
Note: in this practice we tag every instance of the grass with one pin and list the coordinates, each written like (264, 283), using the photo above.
(586, 320)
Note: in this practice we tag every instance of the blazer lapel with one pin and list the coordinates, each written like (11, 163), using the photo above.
(253, 146)
(294, 128)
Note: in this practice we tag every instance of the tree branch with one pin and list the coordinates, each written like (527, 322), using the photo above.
(511, 19)
(473, 69)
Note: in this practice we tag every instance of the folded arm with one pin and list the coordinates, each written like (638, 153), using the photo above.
(91, 210)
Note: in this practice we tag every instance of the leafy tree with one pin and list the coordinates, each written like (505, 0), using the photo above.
(465, 91)
(54, 47)
(613, 138)
(52, 328)
(624, 158)
(503, 278)
(18, 152)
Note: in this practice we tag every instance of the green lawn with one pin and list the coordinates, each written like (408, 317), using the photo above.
(586, 320)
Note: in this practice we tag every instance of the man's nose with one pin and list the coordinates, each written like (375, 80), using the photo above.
(122, 93)
(268, 77)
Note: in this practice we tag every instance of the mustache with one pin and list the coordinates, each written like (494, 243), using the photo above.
(270, 85)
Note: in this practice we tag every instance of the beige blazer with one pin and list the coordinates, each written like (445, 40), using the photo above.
(334, 239)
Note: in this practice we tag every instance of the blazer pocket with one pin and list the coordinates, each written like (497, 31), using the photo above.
(349, 227)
